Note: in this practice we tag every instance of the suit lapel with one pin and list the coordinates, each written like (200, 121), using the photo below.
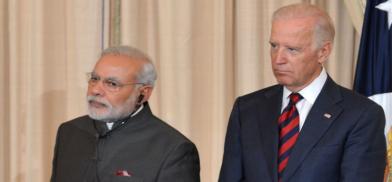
(268, 126)
(320, 117)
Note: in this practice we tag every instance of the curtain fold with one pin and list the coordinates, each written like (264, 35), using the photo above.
(47, 46)
(356, 10)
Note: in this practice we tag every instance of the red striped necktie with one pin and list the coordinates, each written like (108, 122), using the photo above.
(288, 132)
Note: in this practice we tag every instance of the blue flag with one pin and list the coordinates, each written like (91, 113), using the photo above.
(373, 77)
(374, 66)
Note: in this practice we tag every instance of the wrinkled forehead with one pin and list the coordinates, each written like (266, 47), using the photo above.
(295, 28)
(116, 66)
(304, 22)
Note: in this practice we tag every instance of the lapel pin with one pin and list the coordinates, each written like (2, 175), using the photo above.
(327, 115)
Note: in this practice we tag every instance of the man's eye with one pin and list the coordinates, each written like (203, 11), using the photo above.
(94, 79)
(292, 49)
(110, 83)
(273, 45)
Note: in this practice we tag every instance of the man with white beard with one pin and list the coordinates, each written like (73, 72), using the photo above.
(120, 139)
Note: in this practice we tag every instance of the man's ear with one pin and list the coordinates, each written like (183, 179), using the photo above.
(324, 52)
(146, 91)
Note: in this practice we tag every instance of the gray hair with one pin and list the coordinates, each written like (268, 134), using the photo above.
(324, 30)
(147, 74)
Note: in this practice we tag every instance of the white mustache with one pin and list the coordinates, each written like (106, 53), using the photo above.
(92, 98)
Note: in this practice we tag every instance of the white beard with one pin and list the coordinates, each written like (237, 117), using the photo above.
(108, 113)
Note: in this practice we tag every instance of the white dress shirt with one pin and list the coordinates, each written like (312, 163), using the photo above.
(309, 94)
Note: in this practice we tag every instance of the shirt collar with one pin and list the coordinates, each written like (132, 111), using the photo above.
(310, 92)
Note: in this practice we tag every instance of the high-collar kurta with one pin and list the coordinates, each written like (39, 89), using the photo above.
(144, 148)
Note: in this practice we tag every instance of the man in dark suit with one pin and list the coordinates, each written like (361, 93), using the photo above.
(307, 128)
(120, 139)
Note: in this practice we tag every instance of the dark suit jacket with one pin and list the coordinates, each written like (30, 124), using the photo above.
(348, 146)
(145, 147)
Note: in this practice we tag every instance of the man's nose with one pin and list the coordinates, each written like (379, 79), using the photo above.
(279, 56)
(97, 89)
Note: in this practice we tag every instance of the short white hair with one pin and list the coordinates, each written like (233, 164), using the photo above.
(324, 30)
(147, 74)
